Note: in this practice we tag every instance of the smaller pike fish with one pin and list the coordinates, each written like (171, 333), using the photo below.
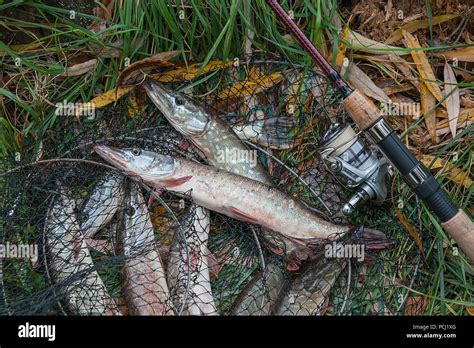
(211, 135)
(103, 203)
(71, 264)
(196, 278)
(227, 193)
(261, 293)
(145, 282)
(309, 290)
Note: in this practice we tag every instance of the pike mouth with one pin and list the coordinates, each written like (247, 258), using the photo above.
(116, 157)
(158, 95)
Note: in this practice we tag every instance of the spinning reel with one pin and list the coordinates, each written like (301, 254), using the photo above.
(346, 155)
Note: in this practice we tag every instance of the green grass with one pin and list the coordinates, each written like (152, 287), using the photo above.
(202, 30)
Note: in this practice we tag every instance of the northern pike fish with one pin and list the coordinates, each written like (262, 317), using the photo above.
(103, 203)
(261, 293)
(309, 291)
(221, 146)
(147, 291)
(189, 276)
(211, 135)
(70, 263)
(227, 193)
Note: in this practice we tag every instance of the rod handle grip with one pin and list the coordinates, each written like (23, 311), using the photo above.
(361, 109)
(461, 228)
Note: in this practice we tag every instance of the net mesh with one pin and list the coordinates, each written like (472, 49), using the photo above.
(108, 244)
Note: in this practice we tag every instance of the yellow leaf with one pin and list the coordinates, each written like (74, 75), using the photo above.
(342, 48)
(291, 105)
(465, 54)
(22, 48)
(423, 66)
(428, 108)
(416, 25)
(106, 98)
(454, 174)
(470, 310)
(451, 92)
(248, 87)
(411, 230)
(133, 109)
(186, 74)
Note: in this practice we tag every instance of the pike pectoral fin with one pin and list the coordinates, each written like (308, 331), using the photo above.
(176, 182)
(240, 215)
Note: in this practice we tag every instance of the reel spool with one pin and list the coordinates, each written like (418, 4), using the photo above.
(346, 155)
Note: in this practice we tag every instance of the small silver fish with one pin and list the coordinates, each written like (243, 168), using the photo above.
(146, 291)
(70, 263)
(192, 273)
(103, 203)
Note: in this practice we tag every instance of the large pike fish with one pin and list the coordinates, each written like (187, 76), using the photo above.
(222, 146)
(227, 193)
(188, 269)
(70, 263)
(145, 281)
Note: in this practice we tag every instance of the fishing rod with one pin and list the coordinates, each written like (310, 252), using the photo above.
(370, 121)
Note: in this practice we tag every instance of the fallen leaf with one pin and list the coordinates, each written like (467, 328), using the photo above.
(189, 73)
(403, 87)
(80, 69)
(404, 67)
(411, 230)
(451, 93)
(470, 310)
(416, 25)
(248, 87)
(341, 47)
(423, 66)
(453, 173)
(466, 118)
(359, 42)
(22, 48)
(144, 66)
(465, 54)
(359, 80)
(415, 305)
(428, 108)
(106, 98)
(167, 55)
(133, 109)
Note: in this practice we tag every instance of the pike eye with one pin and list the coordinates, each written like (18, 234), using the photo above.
(179, 101)
(136, 151)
